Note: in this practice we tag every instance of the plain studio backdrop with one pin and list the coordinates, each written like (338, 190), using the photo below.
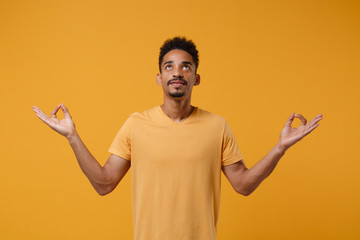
(259, 62)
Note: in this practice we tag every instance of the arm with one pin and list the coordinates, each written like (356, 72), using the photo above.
(244, 180)
(103, 179)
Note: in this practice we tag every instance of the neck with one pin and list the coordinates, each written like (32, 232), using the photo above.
(177, 110)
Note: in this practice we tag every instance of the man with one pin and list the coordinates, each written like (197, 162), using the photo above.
(176, 152)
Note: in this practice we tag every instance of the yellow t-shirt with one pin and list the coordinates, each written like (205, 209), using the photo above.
(175, 172)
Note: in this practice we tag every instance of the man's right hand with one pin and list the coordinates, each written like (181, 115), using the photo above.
(104, 179)
(65, 126)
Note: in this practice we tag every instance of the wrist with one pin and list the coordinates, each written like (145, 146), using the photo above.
(71, 136)
(281, 147)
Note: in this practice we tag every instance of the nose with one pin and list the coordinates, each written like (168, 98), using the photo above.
(178, 73)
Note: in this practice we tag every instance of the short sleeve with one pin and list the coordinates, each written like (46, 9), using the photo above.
(121, 145)
(230, 149)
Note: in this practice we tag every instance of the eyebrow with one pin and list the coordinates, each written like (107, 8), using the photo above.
(186, 62)
(167, 62)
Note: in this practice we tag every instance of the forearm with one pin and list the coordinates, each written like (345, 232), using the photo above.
(88, 164)
(98, 175)
(262, 169)
(247, 180)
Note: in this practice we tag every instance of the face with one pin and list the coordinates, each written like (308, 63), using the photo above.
(177, 75)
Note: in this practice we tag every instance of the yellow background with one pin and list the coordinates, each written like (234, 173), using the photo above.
(259, 61)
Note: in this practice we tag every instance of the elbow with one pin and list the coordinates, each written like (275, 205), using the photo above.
(101, 193)
(104, 187)
(103, 190)
(244, 192)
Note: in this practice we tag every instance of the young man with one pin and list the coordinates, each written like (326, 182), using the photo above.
(176, 152)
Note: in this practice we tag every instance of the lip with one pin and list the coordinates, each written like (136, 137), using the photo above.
(177, 82)
(177, 85)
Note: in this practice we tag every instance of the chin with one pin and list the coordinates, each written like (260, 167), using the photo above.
(177, 94)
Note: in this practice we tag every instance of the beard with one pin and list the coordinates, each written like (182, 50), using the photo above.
(177, 94)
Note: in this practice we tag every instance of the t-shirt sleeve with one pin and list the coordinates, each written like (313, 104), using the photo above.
(230, 150)
(121, 145)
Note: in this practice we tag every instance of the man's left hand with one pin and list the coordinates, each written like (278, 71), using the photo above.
(290, 135)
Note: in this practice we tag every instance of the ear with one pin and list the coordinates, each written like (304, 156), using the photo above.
(158, 79)
(197, 80)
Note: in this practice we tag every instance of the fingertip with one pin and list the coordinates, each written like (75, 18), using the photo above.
(65, 110)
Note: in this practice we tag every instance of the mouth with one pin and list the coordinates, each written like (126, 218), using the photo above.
(177, 82)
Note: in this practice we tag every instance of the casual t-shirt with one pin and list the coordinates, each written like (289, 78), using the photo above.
(175, 172)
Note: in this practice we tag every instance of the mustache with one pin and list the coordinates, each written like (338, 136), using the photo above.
(177, 79)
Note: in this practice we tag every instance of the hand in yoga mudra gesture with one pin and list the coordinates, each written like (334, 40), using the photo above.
(290, 135)
(65, 126)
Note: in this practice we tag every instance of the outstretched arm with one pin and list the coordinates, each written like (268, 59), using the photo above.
(244, 180)
(103, 179)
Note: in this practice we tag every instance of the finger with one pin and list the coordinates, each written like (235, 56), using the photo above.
(309, 130)
(290, 120)
(53, 113)
(65, 110)
(315, 120)
(38, 110)
(43, 117)
(35, 108)
(303, 120)
(41, 114)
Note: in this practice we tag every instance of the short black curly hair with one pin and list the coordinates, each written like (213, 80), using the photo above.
(179, 43)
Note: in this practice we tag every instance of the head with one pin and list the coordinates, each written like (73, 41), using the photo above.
(179, 43)
(178, 62)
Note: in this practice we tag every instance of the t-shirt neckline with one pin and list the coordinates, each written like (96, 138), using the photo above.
(188, 119)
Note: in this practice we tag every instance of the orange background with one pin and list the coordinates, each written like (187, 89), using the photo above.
(259, 61)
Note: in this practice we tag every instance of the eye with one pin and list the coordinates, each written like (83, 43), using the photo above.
(167, 67)
(186, 67)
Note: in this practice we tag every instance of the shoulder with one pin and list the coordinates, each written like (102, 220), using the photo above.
(211, 120)
(210, 116)
(215, 121)
(145, 115)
